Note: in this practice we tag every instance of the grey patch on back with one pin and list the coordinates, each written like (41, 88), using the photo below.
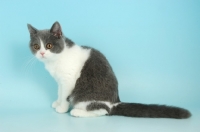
(97, 81)
(97, 106)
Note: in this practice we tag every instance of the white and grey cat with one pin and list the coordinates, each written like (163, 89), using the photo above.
(86, 80)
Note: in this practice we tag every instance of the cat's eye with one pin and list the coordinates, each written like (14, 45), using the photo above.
(49, 46)
(36, 46)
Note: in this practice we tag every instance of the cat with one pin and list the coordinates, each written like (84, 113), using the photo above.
(86, 80)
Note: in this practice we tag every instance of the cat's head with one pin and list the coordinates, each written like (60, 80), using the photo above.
(46, 44)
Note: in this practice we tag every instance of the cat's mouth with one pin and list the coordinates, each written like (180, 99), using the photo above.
(42, 57)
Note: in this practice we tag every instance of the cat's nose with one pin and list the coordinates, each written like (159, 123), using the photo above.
(42, 53)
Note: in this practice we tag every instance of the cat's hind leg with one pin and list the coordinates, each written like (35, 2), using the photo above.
(94, 109)
(85, 113)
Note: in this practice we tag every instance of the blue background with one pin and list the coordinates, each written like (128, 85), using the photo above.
(152, 45)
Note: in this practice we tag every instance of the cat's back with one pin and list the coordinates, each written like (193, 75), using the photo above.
(97, 80)
(97, 63)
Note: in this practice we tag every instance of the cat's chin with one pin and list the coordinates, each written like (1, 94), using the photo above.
(46, 59)
(42, 59)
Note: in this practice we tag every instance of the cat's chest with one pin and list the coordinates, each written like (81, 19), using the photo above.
(53, 69)
(68, 66)
(60, 69)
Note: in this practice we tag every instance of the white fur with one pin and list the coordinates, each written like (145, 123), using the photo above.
(65, 67)
(80, 109)
(84, 113)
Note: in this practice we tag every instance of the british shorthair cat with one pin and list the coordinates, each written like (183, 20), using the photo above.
(86, 80)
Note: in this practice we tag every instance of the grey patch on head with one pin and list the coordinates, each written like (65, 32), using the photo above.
(56, 30)
(97, 106)
(31, 29)
(97, 81)
(53, 36)
(69, 42)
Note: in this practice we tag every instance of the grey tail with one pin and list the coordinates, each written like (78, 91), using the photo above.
(150, 111)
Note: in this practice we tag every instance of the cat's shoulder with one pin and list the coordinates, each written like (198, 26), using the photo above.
(96, 56)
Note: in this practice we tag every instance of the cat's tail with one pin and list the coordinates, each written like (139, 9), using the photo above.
(150, 111)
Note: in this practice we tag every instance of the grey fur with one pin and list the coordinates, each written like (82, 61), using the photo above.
(98, 82)
(152, 111)
(48, 36)
(56, 30)
(31, 29)
(97, 106)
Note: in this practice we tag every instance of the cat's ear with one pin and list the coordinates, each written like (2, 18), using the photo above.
(31, 29)
(56, 30)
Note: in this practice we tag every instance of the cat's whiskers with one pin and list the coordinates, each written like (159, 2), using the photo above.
(27, 67)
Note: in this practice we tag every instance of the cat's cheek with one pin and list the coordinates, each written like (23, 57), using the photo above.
(49, 55)
(46, 56)
(37, 56)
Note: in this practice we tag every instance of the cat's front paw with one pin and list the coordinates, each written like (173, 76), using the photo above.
(61, 109)
(55, 104)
